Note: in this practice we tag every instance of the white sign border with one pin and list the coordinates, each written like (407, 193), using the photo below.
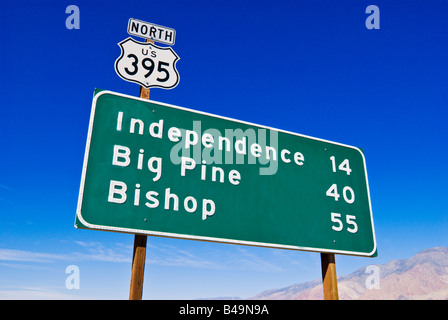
(149, 38)
(202, 238)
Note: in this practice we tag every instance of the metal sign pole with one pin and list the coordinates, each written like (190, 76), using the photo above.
(329, 277)
(139, 253)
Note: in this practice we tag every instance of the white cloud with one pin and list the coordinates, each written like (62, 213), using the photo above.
(229, 258)
(249, 260)
(168, 255)
(34, 293)
(235, 257)
(2, 186)
(96, 251)
(29, 256)
(91, 251)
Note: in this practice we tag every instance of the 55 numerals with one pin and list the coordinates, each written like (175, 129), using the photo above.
(338, 224)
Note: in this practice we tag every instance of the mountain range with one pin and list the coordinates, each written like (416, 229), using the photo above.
(424, 276)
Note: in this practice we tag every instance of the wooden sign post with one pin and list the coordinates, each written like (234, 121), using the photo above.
(138, 267)
(329, 277)
(137, 63)
(139, 253)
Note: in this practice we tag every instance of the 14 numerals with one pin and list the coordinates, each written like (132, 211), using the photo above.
(344, 166)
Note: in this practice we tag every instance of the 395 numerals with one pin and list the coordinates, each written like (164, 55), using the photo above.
(149, 65)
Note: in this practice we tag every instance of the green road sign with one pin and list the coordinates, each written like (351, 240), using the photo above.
(157, 169)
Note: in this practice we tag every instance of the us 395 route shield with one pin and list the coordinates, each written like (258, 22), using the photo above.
(147, 64)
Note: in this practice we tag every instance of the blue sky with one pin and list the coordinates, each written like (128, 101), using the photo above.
(310, 67)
